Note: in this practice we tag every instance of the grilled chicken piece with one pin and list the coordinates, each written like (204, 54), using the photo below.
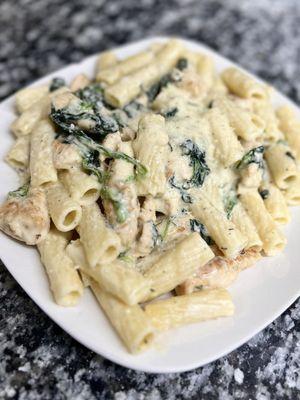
(219, 272)
(25, 217)
(65, 156)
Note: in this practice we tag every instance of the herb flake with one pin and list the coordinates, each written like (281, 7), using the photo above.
(253, 156)
(56, 83)
(197, 226)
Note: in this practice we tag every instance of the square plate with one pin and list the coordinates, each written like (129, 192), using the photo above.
(260, 293)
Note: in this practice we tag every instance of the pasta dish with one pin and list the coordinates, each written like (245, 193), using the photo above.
(154, 184)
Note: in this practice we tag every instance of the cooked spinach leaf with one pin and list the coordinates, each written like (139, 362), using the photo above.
(182, 64)
(229, 203)
(20, 192)
(92, 95)
(132, 109)
(289, 154)
(73, 134)
(197, 226)
(264, 193)
(156, 237)
(124, 257)
(186, 198)
(103, 124)
(197, 161)
(156, 88)
(253, 156)
(91, 164)
(56, 83)
(170, 113)
(164, 225)
(117, 201)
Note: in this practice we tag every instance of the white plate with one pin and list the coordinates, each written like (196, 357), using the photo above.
(260, 294)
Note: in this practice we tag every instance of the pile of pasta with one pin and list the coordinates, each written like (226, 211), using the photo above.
(154, 184)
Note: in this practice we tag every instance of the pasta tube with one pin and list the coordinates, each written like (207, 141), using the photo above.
(223, 231)
(192, 308)
(292, 193)
(265, 111)
(18, 155)
(123, 212)
(228, 148)
(100, 242)
(245, 225)
(64, 280)
(178, 264)
(122, 281)
(64, 211)
(275, 203)
(130, 322)
(243, 85)
(151, 148)
(105, 60)
(282, 164)
(82, 187)
(128, 87)
(273, 240)
(25, 98)
(42, 168)
(114, 72)
(26, 122)
(246, 125)
(290, 126)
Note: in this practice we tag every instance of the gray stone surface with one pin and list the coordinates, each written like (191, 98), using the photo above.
(37, 359)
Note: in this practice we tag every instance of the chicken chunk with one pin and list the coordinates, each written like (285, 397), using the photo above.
(25, 217)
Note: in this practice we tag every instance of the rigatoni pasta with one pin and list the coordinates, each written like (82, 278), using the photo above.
(64, 280)
(154, 184)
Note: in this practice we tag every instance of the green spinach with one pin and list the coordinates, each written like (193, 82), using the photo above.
(253, 156)
(197, 226)
(20, 192)
(56, 83)
(197, 161)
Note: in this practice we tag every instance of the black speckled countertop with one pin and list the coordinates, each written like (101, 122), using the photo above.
(37, 359)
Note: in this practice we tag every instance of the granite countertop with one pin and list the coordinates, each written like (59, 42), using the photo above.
(37, 359)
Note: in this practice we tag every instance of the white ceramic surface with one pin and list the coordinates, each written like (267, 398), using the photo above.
(260, 294)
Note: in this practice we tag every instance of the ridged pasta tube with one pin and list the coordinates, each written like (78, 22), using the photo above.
(245, 225)
(64, 280)
(82, 187)
(223, 231)
(275, 203)
(246, 125)
(151, 149)
(227, 146)
(25, 98)
(181, 310)
(292, 193)
(290, 126)
(273, 240)
(178, 264)
(18, 155)
(42, 168)
(282, 164)
(129, 86)
(124, 282)
(242, 84)
(64, 211)
(124, 67)
(130, 322)
(100, 242)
